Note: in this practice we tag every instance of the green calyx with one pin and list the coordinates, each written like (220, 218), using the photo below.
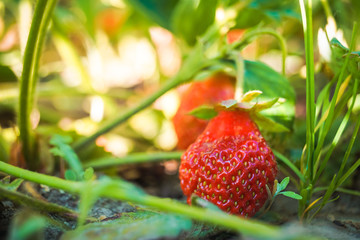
(254, 108)
(247, 104)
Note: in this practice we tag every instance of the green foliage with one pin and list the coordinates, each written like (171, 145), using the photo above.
(280, 190)
(191, 18)
(157, 11)
(11, 186)
(339, 53)
(188, 19)
(63, 149)
(204, 112)
(134, 225)
(259, 76)
(7, 74)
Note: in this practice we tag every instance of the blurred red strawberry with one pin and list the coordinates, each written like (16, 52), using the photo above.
(208, 92)
(234, 35)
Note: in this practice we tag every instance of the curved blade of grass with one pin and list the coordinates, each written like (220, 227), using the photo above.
(132, 159)
(342, 89)
(288, 163)
(349, 172)
(246, 226)
(327, 123)
(311, 206)
(339, 189)
(336, 139)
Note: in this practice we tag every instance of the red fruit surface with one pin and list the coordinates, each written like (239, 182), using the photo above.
(229, 165)
(209, 92)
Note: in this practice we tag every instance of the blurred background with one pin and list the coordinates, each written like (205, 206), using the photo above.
(103, 56)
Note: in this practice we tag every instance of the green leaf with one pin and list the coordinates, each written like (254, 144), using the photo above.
(88, 174)
(251, 95)
(134, 225)
(259, 76)
(283, 184)
(245, 18)
(70, 175)
(291, 195)
(192, 18)
(338, 56)
(260, 106)
(12, 186)
(276, 9)
(7, 75)
(204, 112)
(159, 11)
(269, 124)
(64, 150)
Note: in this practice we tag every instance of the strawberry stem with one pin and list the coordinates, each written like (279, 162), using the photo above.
(258, 32)
(240, 70)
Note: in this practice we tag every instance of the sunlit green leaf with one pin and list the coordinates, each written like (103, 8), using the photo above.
(251, 95)
(291, 195)
(283, 184)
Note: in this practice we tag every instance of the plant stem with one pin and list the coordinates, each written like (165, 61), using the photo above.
(246, 226)
(306, 13)
(271, 32)
(193, 63)
(40, 22)
(131, 159)
(127, 114)
(240, 71)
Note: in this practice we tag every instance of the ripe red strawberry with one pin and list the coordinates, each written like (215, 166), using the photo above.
(229, 164)
(208, 92)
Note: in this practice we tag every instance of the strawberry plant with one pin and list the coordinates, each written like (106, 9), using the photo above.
(179, 119)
